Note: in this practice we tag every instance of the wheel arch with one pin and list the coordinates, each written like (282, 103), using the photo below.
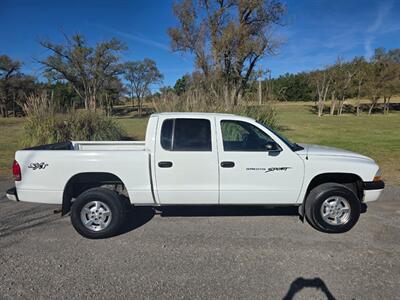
(350, 180)
(81, 182)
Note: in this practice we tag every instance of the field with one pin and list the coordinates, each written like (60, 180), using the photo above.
(10, 132)
(377, 136)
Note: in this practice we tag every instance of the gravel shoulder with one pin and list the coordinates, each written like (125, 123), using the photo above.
(187, 253)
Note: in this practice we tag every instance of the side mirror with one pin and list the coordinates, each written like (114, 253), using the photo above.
(272, 147)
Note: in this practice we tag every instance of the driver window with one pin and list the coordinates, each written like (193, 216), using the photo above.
(243, 136)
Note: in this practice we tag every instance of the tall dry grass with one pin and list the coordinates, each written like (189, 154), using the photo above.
(201, 102)
(44, 125)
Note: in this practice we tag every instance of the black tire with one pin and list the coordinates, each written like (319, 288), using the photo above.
(112, 200)
(315, 200)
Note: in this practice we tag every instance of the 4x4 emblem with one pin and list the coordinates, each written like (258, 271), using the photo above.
(36, 166)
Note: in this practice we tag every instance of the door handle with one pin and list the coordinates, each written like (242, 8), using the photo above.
(165, 164)
(227, 164)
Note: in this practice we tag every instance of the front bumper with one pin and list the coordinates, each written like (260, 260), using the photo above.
(12, 194)
(374, 185)
(373, 190)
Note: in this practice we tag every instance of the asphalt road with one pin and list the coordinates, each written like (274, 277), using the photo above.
(235, 253)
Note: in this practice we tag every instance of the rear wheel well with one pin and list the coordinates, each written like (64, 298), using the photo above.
(81, 182)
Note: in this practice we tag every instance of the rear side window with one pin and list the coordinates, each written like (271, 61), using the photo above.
(166, 134)
(186, 135)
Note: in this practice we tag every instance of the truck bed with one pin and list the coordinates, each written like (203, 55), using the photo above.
(47, 169)
(109, 145)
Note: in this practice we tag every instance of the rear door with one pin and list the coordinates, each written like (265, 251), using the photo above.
(186, 161)
(249, 172)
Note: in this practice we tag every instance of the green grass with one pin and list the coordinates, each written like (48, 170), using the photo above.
(134, 127)
(10, 139)
(377, 136)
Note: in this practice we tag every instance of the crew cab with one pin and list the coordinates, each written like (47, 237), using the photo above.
(196, 159)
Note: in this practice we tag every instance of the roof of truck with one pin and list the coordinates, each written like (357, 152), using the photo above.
(193, 114)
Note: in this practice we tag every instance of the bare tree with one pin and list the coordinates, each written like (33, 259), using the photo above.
(347, 74)
(334, 75)
(341, 75)
(360, 76)
(141, 75)
(321, 80)
(260, 74)
(86, 68)
(227, 39)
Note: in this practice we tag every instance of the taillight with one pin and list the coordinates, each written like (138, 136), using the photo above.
(16, 171)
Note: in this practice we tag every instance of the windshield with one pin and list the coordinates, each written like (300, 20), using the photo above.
(290, 144)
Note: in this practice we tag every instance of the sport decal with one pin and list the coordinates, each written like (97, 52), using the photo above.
(267, 170)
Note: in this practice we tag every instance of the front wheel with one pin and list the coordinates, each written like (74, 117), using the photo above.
(332, 207)
(98, 213)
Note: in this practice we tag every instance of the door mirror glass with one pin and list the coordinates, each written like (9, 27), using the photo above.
(272, 146)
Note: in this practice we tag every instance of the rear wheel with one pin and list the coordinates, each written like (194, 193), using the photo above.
(98, 213)
(332, 207)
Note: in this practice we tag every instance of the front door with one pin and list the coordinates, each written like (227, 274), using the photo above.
(252, 173)
(186, 161)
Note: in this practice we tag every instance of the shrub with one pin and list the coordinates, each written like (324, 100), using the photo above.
(44, 126)
(87, 126)
(265, 114)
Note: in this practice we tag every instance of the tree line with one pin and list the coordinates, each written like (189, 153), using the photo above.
(375, 79)
(226, 39)
(77, 75)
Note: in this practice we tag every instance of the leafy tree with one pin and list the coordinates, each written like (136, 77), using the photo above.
(14, 86)
(391, 87)
(393, 56)
(227, 39)
(62, 96)
(21, 85)
(383, 78)
(8, 69)
(181, 85)
(85, 67)
(113, 88)
(293, 87)
(141, 75)
(166, 90)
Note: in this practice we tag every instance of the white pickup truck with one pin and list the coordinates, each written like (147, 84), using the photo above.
(196, 159)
